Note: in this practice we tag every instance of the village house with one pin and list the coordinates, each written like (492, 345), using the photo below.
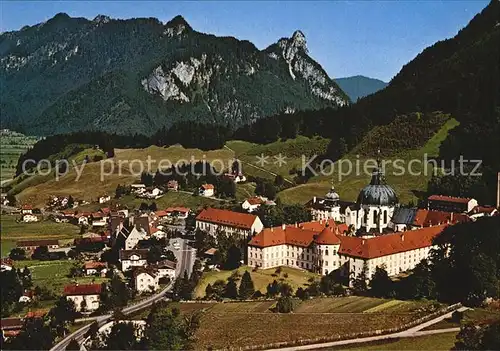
(29, 218)
(451, 203)
(136, 234)
(207, 190)
(104, 198)
(236, 178)
(173, 185)
(165, 269)
(482, 211)
(6, 264)
(146, 280)
(11, 327)
(26, 297)
(30, 245)
(138, 188)
(26, 209)
(172, 212)
(214, 220)
(252, 203)
(93, 268)
(178, 212)
(133, 258)
(86, 297)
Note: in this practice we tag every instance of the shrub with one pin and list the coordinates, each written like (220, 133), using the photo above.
(285, 304)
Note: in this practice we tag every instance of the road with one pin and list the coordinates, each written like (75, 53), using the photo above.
(408, 333)
(185, 259)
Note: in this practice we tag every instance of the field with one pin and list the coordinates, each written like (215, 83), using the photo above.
(252, 323)
(348, 183)
(444, 341)
(12, 231)
(476, 315)
(12, 145)
(291, 149)
(99, 178)
(102, 177)
(261, 278)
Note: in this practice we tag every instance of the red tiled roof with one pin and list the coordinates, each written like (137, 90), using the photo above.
(228, 218)
(68, 212)
(177, 209)
(82, 289)
(302, 234)
(207, 186)
(165, 264)
(46, 242)
(37, 313)
(211, 251)
(95, 265)
(388, 244)
(328, 236)
(161, 213)
(7, 261)
(11, 323)
(255, 200)
(461, 200)
(482, 209)
(426, 218)
(27, 207)
(105, 210)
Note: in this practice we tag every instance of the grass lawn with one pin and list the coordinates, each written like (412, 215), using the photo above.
(291, 149)
(444, 341)
(473, 315)
(91, 184)
(54, 274)
(349, 185)
(12, 231)
(261, 278)
(171, 198)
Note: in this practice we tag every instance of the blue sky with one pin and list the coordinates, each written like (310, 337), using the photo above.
(346, 37)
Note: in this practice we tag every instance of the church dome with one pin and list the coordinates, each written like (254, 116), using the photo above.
(332, 195)
(377, 192)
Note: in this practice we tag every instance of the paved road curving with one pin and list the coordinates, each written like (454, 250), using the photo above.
(185, 260)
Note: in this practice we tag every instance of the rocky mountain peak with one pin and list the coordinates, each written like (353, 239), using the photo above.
(299, 40)
(177, 25)
(101, 19)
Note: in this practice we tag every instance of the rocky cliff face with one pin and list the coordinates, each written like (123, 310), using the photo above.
(70, 73)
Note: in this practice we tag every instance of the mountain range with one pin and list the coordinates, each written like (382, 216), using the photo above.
(357, 87)
(139, 75)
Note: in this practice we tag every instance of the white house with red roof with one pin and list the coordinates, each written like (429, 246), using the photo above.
(25, 209)
(207, 190)
(86, 297)
(253, 203)
(214, 220)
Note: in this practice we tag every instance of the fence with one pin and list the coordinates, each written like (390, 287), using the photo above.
(325, 339)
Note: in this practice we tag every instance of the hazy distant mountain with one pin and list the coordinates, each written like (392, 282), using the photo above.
(137, 75)
(360, 86)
